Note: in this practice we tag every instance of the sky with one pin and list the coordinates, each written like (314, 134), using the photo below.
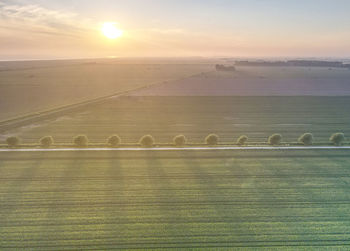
(50, 29)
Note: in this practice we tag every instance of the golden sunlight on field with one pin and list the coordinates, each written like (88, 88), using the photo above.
(175, 125)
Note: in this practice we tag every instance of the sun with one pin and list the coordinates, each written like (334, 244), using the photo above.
(110, 30)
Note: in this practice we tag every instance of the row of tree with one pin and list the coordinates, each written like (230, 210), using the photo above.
(221, 67)
(179, 140)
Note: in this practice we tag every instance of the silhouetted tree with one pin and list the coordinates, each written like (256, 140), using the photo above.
(46, 141)
(306, 139)
(147, 141)
(81, 140)
(13, 141)
(275, 139)
(114, 140)
(212, 139)
(179, 140)
(221, 67)
(242, 140)
(337, 138)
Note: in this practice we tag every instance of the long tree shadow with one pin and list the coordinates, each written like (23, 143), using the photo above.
(114, 198)
(213, 190)
(161, 195)
(66, 207)
(18, 188)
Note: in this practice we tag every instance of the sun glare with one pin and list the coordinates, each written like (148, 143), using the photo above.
(110, 30)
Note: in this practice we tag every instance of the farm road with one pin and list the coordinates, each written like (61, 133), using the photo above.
(180, 148)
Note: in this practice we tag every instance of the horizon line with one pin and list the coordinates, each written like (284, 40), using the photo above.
(179, 57)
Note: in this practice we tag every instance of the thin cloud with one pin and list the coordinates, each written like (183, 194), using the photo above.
(167, 31)
(42, 20)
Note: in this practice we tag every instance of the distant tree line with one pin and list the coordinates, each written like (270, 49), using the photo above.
(300, 63)
(221, 67)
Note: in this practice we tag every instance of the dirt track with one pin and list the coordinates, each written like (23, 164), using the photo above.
(180, 148)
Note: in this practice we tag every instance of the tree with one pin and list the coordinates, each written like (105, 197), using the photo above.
(114, 140)
(13, 141)
(221, 67)
(46, 141)
(179, 140)
(242, 140)
(275, 139)
(147, 141)
(306, 139)
(212, 139)
(337, 138)
(81, 140)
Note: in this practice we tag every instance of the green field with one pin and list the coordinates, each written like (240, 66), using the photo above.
(214, 199)
(113, 200)
(196, 117)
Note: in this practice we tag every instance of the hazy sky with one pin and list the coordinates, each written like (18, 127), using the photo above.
(242, 28)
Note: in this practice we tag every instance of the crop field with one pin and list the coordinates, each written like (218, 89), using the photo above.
(31, 87)
(99, 200)
(196, 117)
(81, 200)
(259, 81)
